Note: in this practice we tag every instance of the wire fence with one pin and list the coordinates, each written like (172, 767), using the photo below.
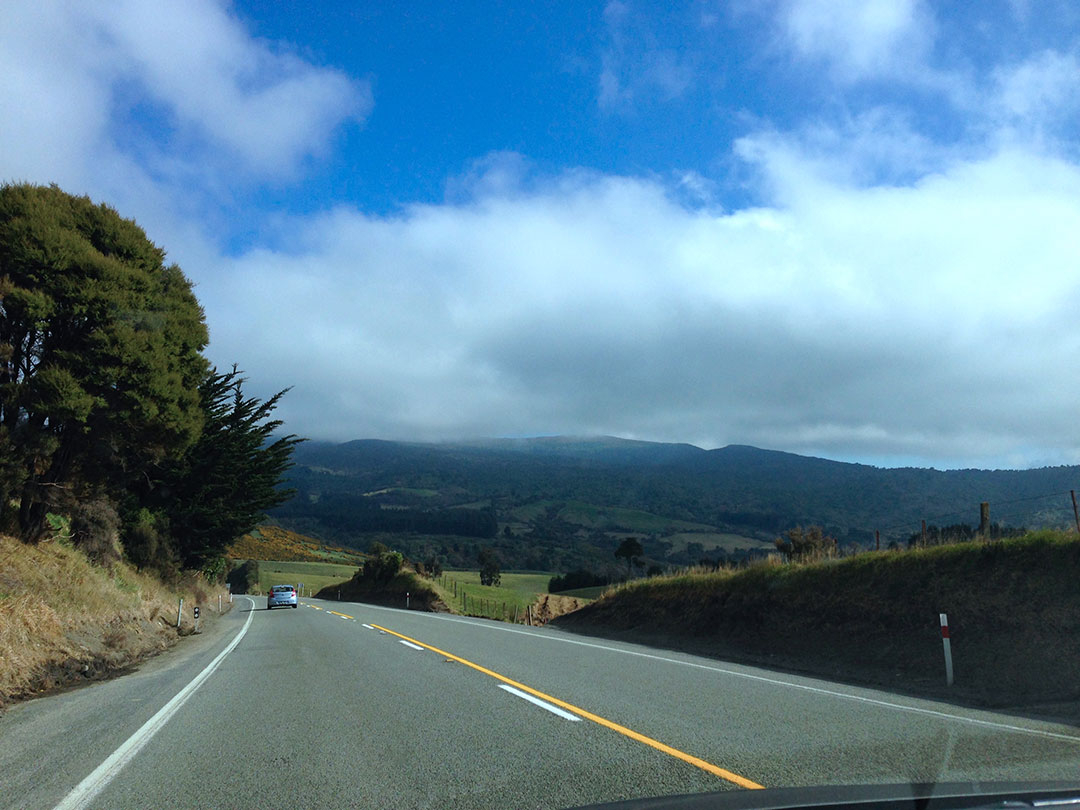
(996, 518)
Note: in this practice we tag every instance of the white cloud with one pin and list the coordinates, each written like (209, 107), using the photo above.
(860, 39)
(635, 65)
(878, 147)
(1038, 95)
(267, 107)
(495, 174)
(906, 321)
(226, 102)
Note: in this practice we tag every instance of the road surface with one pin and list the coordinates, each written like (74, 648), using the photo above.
(347, 705)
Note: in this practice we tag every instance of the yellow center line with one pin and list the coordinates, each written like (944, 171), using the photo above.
(342, 615)
(742, 781)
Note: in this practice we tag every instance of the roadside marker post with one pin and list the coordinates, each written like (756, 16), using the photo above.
(196, 612)
(406, 600)
(179, 613)
(948, 649)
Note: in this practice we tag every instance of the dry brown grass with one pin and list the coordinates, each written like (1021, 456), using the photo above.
(64, 619)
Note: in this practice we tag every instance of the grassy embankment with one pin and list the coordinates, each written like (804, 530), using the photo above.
(1013, 608)
(64, 620)
(422, 596)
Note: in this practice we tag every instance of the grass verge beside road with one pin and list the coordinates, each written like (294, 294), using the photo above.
(1013, 608)
(64, 620)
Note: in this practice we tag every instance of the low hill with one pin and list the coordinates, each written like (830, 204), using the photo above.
(560, 503)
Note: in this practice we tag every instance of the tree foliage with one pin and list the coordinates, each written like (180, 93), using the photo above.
(100, 346)
(572, 580)
(108, 410)
(220, 488)
(630, 549)
(490, 572)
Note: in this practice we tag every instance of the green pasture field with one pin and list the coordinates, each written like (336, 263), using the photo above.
(613, 518)
(314, 575)
(715, 540)
(633, 520)
(515, 591)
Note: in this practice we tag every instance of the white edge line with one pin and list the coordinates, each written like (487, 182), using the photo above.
(533, 633)
(84, 792)
(543, 704)
(410, 644)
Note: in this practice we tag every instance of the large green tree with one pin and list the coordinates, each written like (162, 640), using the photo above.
(100, 352)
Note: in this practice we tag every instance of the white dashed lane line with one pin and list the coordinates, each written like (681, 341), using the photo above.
(543, 704)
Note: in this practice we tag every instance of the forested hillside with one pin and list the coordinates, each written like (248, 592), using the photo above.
(563, 503)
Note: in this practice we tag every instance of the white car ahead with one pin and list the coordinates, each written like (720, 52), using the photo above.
(281, 596)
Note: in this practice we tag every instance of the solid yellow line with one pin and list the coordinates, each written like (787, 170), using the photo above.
(741, 781)
(339, 614)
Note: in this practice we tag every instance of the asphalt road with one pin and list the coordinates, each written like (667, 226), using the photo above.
(347, 705)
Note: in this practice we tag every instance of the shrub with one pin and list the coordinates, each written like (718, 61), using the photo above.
(382, 567)
(95, 530)
(806, 545)
(489, 567)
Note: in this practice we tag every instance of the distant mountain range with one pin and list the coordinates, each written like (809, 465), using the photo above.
(560, 502)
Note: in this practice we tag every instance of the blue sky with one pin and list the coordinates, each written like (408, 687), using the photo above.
(845, 228)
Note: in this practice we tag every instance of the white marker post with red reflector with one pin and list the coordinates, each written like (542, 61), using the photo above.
(948, 650)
